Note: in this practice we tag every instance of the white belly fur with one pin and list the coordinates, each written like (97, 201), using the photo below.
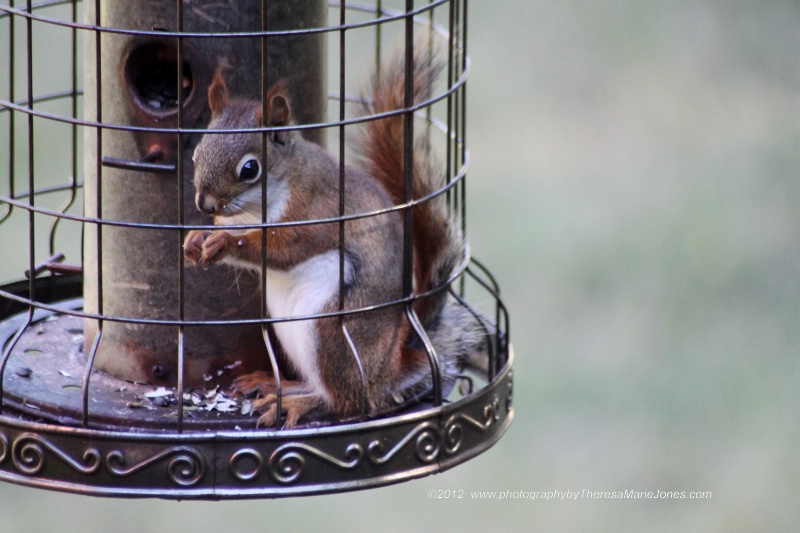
(304, 290)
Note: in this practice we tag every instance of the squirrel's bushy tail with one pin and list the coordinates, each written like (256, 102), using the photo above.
(439, 248)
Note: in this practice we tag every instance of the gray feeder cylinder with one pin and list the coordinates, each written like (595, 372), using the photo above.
(140, 266)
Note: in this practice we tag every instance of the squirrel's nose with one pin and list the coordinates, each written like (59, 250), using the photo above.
(206, 204)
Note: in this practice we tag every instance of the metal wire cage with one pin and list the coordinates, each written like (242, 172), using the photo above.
(116, 356)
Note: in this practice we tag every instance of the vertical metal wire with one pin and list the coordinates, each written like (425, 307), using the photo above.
(342, 58)
(459, 153)
(73, 188)
(31, 152)
(451, 44)
(342, 195)
(181, 218)
(378, 39)
(408, 152)
(31, 170)
(462, 135)
(455, 37)
(11, 115)
(9, 347)
(75, 99)
(273, 359)
(74, 102)
(431, 58)
(99, 215)
(408, 219)
(464, 121)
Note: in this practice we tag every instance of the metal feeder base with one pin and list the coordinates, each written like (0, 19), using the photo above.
(131, 446)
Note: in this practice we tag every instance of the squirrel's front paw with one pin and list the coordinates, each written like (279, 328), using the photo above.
(216, 247)
(207, 247)
(193, 244)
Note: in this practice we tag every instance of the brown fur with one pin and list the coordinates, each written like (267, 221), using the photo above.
(373, 245)
(382, 151)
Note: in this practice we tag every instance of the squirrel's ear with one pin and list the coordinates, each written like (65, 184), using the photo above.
(278, 113)
(217, 94)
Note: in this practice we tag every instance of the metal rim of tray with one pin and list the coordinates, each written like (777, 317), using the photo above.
(234, 464)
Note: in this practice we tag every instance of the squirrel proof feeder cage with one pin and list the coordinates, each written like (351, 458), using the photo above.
(117, 353)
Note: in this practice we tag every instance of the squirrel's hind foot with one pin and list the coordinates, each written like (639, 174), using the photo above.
(297, 399)
(259, 383)
(295, 407)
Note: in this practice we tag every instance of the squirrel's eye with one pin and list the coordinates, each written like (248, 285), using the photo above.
(249, 169)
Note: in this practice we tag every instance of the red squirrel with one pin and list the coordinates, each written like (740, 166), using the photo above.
(303, 261)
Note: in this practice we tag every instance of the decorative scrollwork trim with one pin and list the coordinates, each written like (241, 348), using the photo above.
(477, 424)
(235, 463)
(427, 445)
(28, 455)
(491, 412)
(186, 468)
(286, 464)
(454, 428)
(3, 448)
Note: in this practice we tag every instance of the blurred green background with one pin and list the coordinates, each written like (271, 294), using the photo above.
(634, 187)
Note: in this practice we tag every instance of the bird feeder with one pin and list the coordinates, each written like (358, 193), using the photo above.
(116, 356)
